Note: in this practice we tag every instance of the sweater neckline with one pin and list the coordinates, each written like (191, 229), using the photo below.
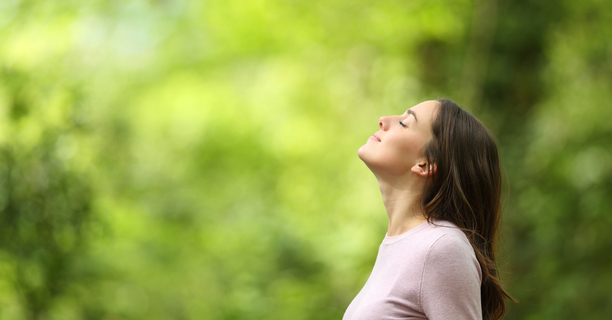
(392, 239)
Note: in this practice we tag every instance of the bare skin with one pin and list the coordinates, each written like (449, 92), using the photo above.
(395, 155)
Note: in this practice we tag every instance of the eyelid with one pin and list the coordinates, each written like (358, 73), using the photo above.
(402, 124)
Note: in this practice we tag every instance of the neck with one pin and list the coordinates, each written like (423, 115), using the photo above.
(403, 206)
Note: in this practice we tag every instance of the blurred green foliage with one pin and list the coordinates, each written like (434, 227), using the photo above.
(197, 159)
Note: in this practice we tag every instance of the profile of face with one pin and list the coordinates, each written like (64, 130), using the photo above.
(397, 148)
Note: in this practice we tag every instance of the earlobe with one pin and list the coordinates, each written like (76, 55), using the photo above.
(423, 170)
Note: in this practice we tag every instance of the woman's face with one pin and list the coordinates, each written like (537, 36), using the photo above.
(398, 145)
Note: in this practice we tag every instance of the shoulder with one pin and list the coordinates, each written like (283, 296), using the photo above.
(444, 236)
(449, 247)
(437, 235)
(448, 242)
(435, 242)
(450, 251)
(451, 276)
(448, 239)
(437, 245)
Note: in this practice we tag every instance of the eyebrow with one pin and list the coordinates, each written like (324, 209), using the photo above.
(409, 111)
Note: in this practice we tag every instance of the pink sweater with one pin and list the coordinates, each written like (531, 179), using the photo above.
(429, 272)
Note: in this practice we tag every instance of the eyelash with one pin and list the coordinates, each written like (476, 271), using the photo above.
(402, 124)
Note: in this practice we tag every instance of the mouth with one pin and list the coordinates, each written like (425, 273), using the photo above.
(376, 136)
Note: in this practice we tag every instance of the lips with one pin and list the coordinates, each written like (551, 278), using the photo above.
(376, 136)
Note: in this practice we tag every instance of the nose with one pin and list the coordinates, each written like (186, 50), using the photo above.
(382, 123)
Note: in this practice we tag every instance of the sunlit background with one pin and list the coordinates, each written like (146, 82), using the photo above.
(198, 159)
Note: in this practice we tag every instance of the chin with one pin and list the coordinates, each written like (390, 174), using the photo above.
(362, 153)
(370, 158)
(365, 156)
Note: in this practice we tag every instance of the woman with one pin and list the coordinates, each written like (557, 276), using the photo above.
(438, 171)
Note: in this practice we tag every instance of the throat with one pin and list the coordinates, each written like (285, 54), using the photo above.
(404, 223)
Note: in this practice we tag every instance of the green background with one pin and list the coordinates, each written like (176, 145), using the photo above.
(197, 159)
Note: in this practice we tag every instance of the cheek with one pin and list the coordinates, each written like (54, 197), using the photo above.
(414, 147)
(405, 146)
(399, 155)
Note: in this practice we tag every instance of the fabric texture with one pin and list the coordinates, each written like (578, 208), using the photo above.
(430, 272)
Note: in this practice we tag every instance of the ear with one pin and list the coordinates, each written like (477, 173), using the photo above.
(424, 170)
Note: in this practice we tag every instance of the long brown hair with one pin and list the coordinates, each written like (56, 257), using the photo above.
(466, 190)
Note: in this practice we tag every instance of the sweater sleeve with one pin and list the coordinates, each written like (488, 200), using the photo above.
(450, 284)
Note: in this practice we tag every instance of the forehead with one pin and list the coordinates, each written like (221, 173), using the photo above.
(426, 110)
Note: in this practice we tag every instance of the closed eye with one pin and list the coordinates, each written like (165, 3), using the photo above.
(403, 125)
